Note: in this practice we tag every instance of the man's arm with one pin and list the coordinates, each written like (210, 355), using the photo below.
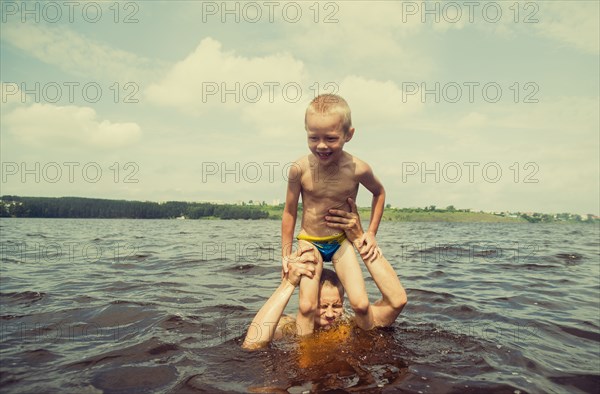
(387, 309)
(290, 212)
(264, 325)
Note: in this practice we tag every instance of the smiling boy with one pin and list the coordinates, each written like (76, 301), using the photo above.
(325, 179)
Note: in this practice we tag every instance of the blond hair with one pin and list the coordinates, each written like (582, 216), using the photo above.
(329, 104)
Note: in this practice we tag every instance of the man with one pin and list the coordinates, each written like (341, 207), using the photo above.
(268, 323)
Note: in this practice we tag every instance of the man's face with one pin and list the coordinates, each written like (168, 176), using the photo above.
(325, 135)
(330, 306)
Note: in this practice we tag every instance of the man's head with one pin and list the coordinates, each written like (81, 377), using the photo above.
(328, 126)
(331, 299)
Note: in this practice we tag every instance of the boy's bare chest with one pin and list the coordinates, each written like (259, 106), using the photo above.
(332, 182)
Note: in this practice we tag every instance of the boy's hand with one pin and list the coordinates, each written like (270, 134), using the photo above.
(367, 247)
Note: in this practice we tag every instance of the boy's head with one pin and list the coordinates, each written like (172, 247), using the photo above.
(326, 104)
(328, 126)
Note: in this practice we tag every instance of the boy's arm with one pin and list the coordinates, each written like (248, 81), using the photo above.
(290, 212)
(370, 181)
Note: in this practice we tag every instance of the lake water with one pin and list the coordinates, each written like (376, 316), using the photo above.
(119, 306)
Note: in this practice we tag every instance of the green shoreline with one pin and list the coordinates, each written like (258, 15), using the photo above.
(79, 207)
(402, 215)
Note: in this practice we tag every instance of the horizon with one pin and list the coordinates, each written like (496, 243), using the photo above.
(453, 103)
(260, 203)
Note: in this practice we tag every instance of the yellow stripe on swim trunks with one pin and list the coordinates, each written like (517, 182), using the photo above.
(336, 238)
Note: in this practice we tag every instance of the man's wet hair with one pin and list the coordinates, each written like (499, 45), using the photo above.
(330, 278)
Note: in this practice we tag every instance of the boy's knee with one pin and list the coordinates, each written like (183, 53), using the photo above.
(307, 306)
(360, 307)
(399, 303)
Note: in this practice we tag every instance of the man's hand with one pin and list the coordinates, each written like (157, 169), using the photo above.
(367, 247)
(300, 263)
(349, 222)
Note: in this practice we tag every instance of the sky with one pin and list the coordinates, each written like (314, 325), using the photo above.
(490, 106)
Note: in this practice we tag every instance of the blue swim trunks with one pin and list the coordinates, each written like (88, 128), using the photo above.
(327, 246)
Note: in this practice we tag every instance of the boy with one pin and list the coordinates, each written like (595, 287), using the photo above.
(325, 179)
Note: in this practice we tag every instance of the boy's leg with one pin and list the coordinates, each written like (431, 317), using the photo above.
(308, 301)
(348, 270)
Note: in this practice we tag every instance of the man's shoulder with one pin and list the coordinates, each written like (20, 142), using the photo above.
(286, 319)
(286, 327)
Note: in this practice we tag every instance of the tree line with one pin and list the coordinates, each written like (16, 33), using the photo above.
(79, 207)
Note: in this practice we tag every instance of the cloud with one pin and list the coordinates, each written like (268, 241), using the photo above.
(473, 120)
(210, 77)
(277, 119)
(374, 40)
(573, 23)
(376, 102)
(577, 116)
(72, 126)
(77, 54)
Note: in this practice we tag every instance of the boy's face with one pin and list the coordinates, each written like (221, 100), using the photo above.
(326, 137)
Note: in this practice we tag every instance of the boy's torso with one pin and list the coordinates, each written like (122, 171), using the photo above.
(324, 188)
